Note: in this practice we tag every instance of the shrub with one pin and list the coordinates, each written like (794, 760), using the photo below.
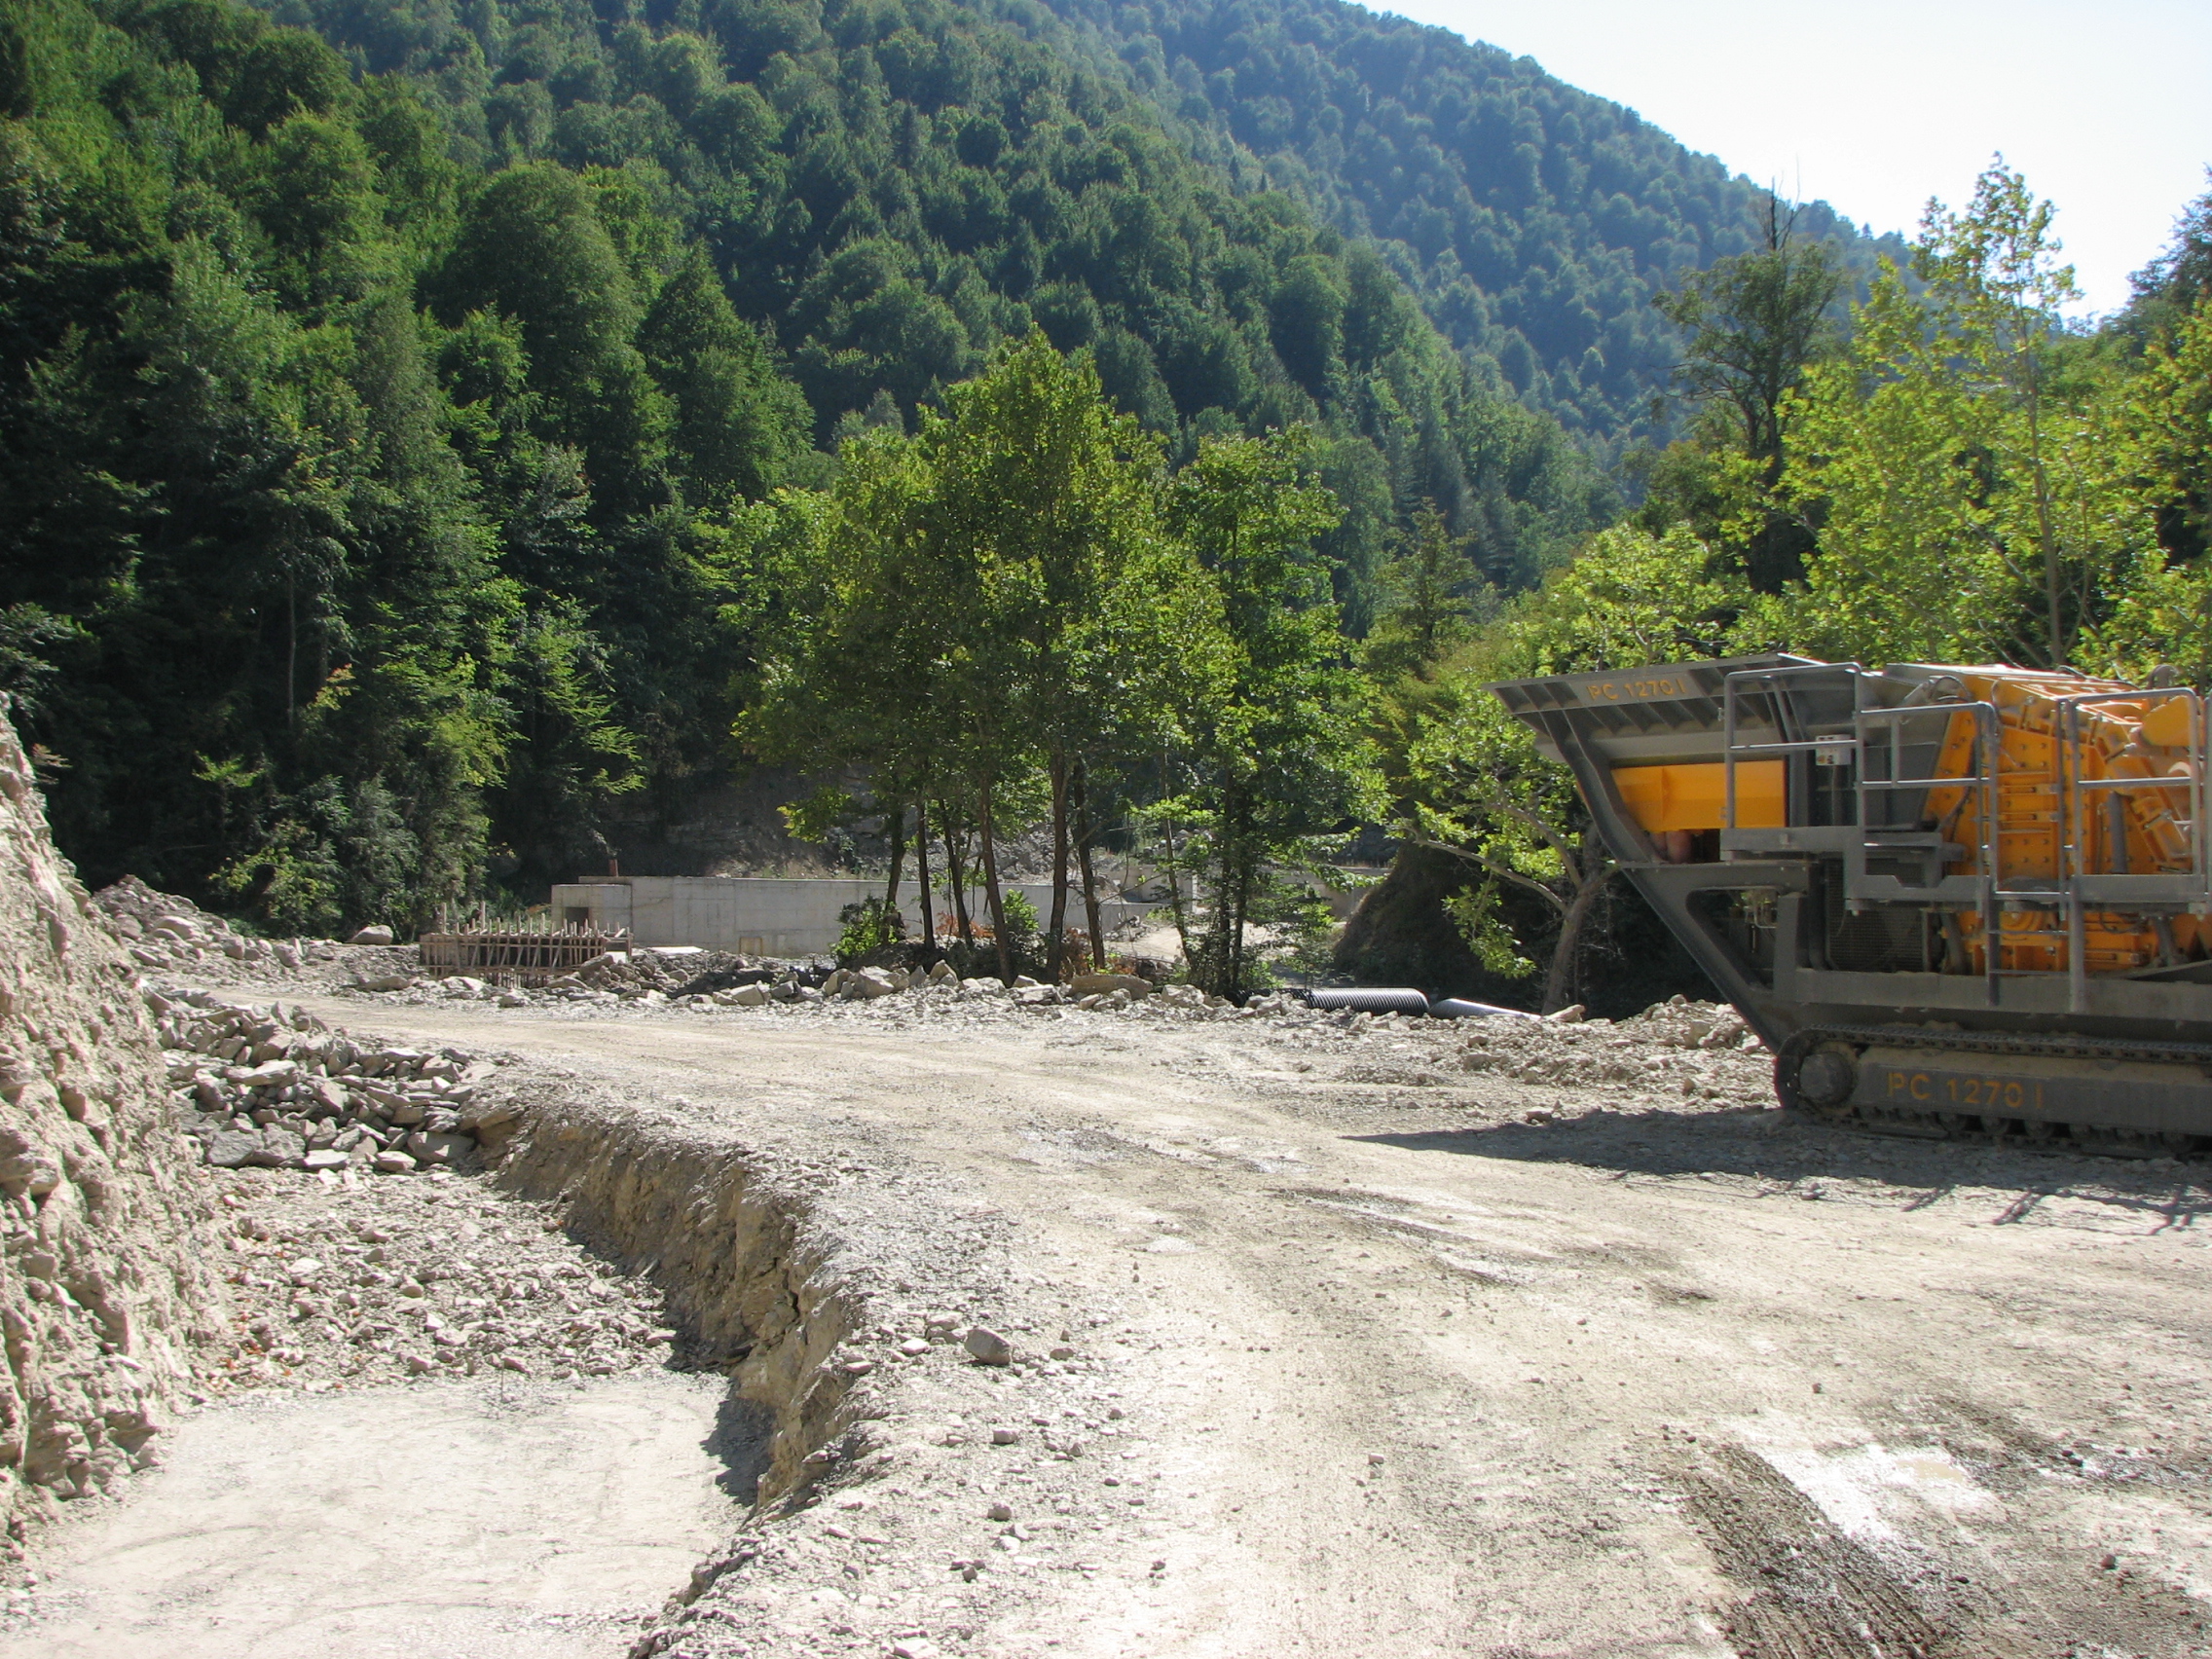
(869, 925)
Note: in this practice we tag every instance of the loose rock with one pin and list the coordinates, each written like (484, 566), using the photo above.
(987, 1346)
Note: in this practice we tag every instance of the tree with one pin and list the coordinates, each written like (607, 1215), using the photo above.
(1954, 459)
(2174, 284)
(2162, 432)
(532, 246)
(2157, 438)
(1755, 323)
(1483, 794)
(1995, 272)
(738, 423)
(1059, 494)
(1274, 769)
(2162, 415)
(1435, 594)
(986, 599)
(284, 73)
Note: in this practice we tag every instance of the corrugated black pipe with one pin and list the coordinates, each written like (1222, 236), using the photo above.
(1371, 999)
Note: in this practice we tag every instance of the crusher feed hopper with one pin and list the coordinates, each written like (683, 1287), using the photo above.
(1952, 900)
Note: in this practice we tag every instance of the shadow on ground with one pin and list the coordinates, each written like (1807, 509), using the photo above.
(1769, 1145)
(739, 1442)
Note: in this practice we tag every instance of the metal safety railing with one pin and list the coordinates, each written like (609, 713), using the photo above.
(1769, 682)
(1865, 732)
(2191, 890)
(1982, 888)
(1870, 739)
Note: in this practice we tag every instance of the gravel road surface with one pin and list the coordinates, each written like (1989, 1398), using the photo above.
(1347, 1338)
(1656, 1373)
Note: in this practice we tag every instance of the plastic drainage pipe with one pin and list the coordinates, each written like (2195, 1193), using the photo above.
(1366, 998)
(1459, 1007)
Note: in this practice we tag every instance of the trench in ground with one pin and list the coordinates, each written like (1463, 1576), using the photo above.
(503, 1517)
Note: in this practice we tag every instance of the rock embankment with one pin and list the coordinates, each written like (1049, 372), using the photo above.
(102, 1229)
(160, 930)
(273, 1086)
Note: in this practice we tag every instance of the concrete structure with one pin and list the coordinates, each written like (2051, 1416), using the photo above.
(761, 915)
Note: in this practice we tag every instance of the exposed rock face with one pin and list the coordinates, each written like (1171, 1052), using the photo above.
(101, 1294)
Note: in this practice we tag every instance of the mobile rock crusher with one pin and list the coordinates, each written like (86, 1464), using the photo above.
(1952, 900)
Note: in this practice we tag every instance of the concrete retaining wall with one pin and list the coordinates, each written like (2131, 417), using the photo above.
(764, 916)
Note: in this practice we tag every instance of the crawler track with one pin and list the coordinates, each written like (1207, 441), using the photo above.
(1998, 1127)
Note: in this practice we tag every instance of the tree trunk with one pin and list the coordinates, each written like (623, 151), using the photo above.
(895, 826)
(1234, 990)
(1562, 972)
(1083, 857)
(1174, 881)
(291, 653)
(1213, 977)
(1056, 948)
(2046, 535)
(956, 872)
(922, 873)
(991, 891)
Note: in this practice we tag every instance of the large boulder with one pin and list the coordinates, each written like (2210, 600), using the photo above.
(1105, 984)
(867, 983)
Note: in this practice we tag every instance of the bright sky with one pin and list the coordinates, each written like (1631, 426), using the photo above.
(1878, 104)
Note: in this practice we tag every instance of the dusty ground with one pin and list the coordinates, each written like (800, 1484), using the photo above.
(1441, 1340)
(527, 1521)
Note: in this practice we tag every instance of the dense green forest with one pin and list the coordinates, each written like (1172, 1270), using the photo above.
(891, 190)
(1535, 221)
(421, 429)
(378, 404)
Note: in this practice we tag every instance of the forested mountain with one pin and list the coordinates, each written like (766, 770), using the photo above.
(408, 412)
(1534, 220)
(891, 190)
(380, 404)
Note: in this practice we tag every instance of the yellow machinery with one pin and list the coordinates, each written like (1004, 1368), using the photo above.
(1953, 899)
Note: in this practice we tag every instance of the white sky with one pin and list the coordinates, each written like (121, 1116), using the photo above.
(1878, 104)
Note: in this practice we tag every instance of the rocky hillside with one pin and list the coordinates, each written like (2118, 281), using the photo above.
(101, 1294)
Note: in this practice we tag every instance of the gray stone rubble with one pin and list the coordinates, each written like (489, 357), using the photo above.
(434, 1277)
(160, 930)
(273, 1086)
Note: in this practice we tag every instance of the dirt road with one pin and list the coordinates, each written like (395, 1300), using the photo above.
(1393, 1370)
(503, 1520)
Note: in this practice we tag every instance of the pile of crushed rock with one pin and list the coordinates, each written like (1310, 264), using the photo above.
(646, 978)
(271, 1086)
(1700, 1050)
(651, 975)
(430, 1278)
(337, 1279)
(161, 931)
